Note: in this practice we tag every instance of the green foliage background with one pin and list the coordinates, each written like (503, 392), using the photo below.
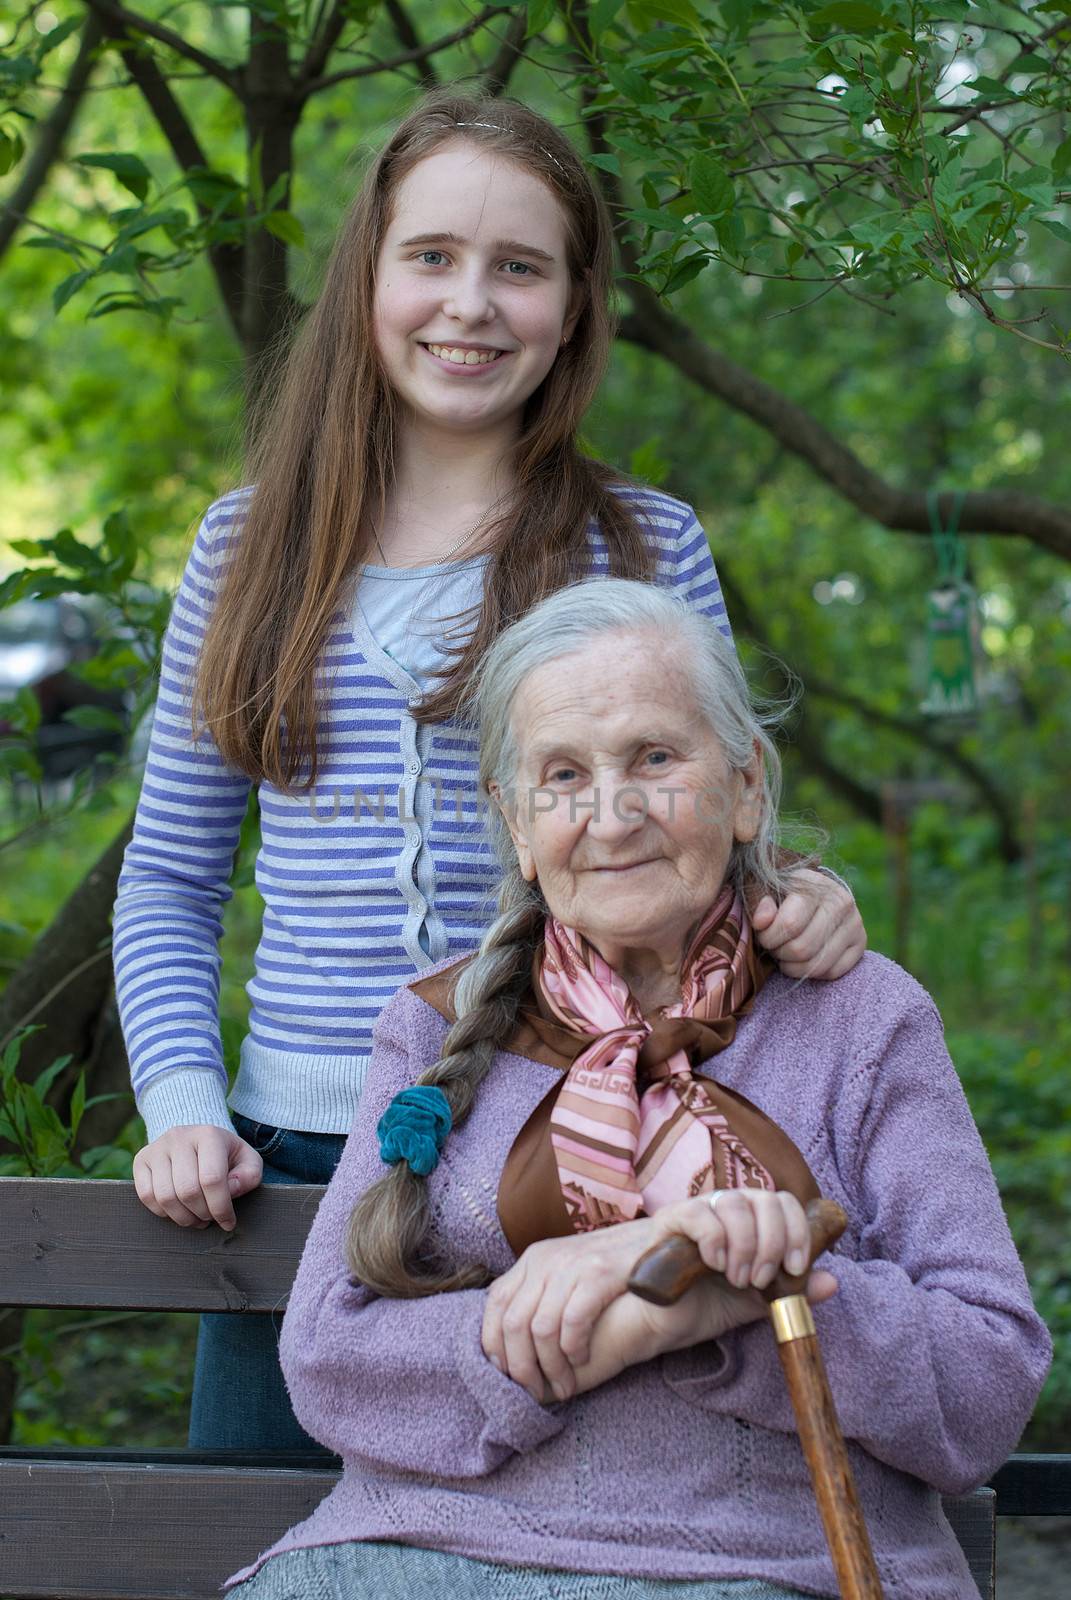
(848, 257)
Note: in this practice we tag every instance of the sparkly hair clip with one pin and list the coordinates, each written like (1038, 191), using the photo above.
(497, 128)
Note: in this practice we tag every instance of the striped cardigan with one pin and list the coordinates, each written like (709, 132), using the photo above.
(389, 841)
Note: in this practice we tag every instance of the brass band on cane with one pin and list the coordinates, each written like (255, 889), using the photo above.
(791, 1318)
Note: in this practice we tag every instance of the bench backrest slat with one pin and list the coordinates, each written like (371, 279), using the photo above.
(91, 1243)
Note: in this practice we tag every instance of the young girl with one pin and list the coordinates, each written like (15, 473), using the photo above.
(418, 486)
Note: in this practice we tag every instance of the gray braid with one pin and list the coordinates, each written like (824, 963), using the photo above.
(387, 1236)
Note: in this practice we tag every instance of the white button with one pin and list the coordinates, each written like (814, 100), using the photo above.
(414, 766)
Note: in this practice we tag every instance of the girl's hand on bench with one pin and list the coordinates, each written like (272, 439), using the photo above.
(193, 1174)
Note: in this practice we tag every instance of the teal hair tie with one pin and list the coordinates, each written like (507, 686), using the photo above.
(414, 1128)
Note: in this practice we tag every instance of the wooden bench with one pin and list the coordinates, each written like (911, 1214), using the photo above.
(128, 1524)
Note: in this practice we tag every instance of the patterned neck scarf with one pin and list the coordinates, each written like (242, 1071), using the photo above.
(632, 1129)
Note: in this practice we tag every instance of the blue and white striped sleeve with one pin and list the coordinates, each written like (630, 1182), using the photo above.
(685, 563)
(692, 573)
(176, 871)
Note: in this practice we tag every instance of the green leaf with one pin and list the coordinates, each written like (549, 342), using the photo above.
(155, 305)
(711, 185)
(858, 105)
(730, 232)
(540, 14)
(44, 1080)
(607, 163)
(78, 1104)
(990, 88)
(1061, 159)
(9, 1060)
(276, 192)
(285, 226)
(131, 171)
(210, 187)
(70, 286)
(12, 149)
(684, 271)
(71, 552)
(1060, 229)
(120, 542)
(632, 85)
(664, 221)
(13, 587)
(137, 221)
(602, 16)
(948, 188)
(46, 242)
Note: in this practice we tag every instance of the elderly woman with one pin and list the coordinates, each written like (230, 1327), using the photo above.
(618, 1056)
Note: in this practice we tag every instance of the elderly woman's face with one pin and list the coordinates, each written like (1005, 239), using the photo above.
(626, 807)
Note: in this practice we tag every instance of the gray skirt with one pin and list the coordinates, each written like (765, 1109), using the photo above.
(375, 1571)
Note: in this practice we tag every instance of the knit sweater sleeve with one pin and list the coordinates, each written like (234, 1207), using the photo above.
(401, 1385)
(934, 1351)
(175, 877)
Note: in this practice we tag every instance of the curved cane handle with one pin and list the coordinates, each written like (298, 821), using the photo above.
(668, 1269)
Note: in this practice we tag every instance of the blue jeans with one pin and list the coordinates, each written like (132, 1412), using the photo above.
(239, 1397)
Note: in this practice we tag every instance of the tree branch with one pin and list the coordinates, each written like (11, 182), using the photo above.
(408, 36)
(323, 42)
(369, 68)
(225, 260)
(51, 133)
(111, 12)
(653, 328)
(507, 56)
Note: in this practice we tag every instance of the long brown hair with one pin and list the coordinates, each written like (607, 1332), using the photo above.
(322, 463)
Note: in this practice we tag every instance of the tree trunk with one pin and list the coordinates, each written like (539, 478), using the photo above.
(52, 132)
(272, 114)
(66, 979)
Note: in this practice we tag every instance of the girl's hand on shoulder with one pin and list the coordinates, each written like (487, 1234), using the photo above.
(193, 1175)
(816, 931)
(562, 1321)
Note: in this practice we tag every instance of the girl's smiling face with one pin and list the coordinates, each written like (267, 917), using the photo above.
(473, 293)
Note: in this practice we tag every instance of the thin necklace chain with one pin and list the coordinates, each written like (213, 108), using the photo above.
(439, 560)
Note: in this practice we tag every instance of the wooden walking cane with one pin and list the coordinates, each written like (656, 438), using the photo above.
(662, 1276)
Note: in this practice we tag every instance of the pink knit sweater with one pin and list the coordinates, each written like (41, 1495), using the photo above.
(688, 1466)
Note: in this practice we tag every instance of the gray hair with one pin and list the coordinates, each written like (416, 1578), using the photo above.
(570, 620)
(389, 1241)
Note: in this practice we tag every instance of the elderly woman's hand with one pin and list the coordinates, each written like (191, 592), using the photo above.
(816, 932)
(560, 1321)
